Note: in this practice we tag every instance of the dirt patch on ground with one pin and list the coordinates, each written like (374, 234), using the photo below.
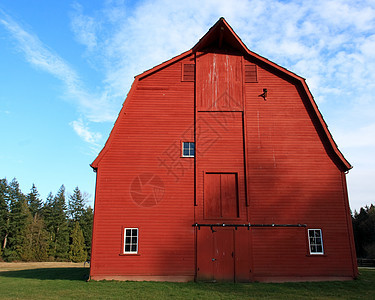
(14, 266)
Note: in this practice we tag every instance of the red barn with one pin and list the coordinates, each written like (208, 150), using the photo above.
(220, 167)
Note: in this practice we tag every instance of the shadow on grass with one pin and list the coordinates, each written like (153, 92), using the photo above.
(80, 274)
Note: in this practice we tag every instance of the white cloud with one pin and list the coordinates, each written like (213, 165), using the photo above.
(84, 27)
(347, 13)
(326, 41)
(360, 182)
(37, 54)
(86, 134)
(358, 138)
(96, 107)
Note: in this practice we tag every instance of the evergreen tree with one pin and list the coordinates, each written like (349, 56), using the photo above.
(33, 231)
(76, 205)
(19, 219)
(86, 222)
(35, 203)
(48, 217)
(78, 213)
(77, 251)
(54, 213)
(364, 232)
(368, 227)
(35, 244)
(62, 230)
(3, 213)
(25, 245)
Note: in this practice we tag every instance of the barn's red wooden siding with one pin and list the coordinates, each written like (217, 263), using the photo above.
(271, 156)
(148, 133)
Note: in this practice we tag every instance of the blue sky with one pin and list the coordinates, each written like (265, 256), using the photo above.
(66, 67)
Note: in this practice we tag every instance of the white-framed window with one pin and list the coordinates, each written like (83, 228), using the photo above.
(130, 240)
(316, 241)
(188, 149)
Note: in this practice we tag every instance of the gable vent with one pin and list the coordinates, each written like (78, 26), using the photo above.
(188, 72)
(251, 73)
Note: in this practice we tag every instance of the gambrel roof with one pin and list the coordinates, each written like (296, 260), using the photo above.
(222, 34)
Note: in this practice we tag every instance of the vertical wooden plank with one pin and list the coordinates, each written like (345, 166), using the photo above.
(229, 199)
(212, 203)
(224, 255)
(205, 254)
(219, 87)
(242, 254)
(245, 136)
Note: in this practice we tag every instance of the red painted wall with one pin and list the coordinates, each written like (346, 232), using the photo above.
(272, 159)
(145, 142)
(292, 179)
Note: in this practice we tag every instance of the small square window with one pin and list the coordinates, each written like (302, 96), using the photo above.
(131, 241)
(188, 149)
(316, 241)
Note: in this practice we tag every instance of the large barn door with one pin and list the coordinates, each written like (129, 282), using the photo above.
(223, 259)
(215, 254)
(219, 85)
(221, 196)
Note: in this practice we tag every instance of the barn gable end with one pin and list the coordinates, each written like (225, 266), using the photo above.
(220, 167)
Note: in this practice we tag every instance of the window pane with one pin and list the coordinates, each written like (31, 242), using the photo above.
(316, 241)
(131, 240)
(188, 149)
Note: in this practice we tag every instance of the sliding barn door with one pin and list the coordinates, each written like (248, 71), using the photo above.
(215, 255)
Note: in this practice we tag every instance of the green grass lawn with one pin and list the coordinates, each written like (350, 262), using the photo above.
(69, 283)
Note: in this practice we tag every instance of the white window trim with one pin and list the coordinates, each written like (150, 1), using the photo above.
(183, 144)
(321, 239)
(131, 252)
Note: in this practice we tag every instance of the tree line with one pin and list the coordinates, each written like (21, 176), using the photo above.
(60, 229)
(57, 229)
(364, 231)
